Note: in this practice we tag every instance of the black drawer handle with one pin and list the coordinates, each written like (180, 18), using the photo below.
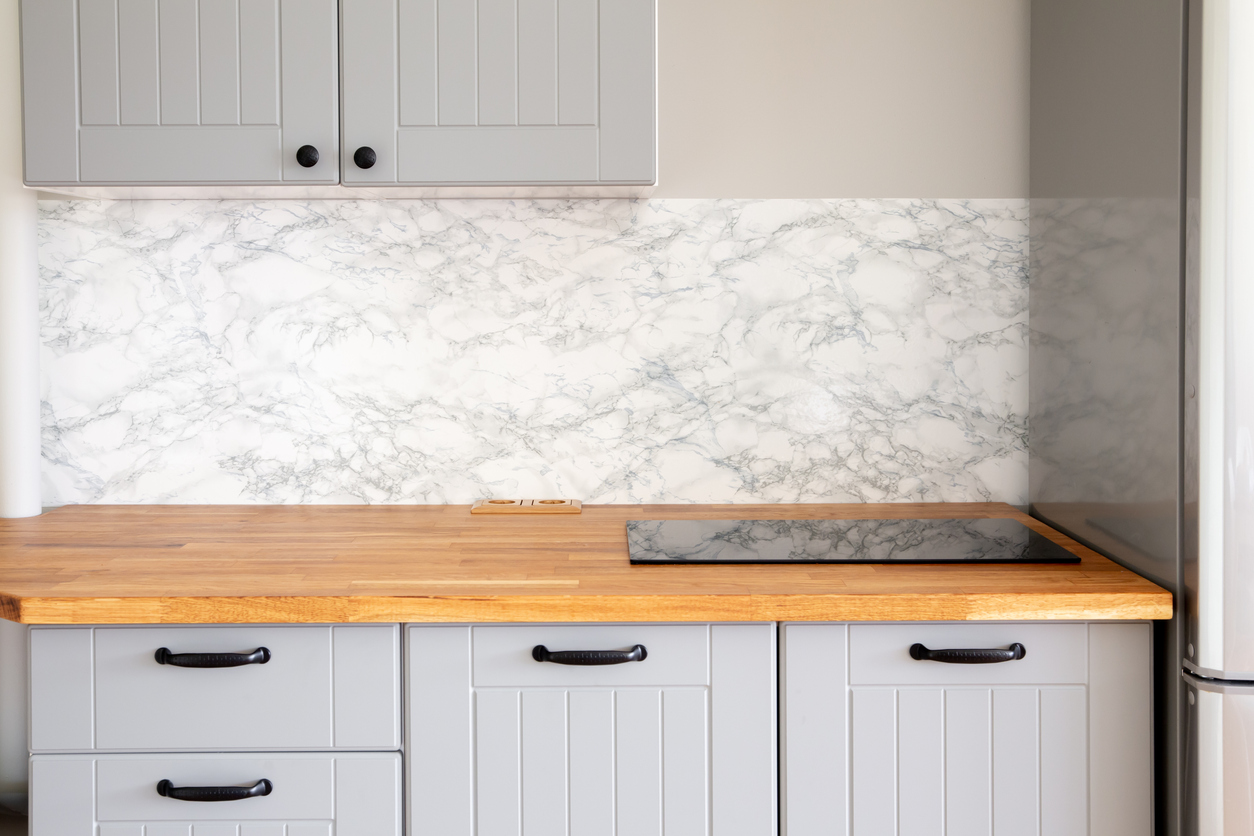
(212, 660)
(589, 657)
(989, 656)
(166, 789)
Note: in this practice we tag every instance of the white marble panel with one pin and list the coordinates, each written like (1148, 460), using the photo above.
(614, 350)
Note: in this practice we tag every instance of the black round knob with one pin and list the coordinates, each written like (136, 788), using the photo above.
(365, 157)
(307, 156)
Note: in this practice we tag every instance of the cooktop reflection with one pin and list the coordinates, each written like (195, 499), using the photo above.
(840, 541)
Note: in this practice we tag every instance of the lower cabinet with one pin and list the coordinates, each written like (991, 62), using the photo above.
(349, 794)
(899, 729)
(967, 729)
(594, 730)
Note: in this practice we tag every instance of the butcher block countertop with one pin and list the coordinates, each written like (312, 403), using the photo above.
(196, 564)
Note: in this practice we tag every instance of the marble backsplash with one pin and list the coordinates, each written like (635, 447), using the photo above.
(615, 351)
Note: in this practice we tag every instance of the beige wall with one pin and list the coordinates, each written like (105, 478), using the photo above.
(843, 98)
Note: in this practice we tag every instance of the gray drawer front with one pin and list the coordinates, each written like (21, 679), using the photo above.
(323, 688)
(312, 795)
(678, 654)
(879, 654)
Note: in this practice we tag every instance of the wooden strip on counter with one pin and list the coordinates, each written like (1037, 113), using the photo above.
(313, 564)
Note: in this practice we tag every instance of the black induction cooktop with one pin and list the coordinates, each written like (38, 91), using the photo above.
(839, 541)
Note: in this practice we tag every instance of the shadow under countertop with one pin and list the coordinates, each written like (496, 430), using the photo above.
(12, 824)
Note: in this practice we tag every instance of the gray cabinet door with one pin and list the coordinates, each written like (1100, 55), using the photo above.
(876, 742)
(499, 92)
(138, 92)
(594, 751)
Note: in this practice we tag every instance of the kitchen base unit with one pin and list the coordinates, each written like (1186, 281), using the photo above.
(305, 794)
(216, 730)
(634, 729)
(971, 729)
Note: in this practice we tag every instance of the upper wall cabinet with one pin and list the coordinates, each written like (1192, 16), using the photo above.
(462, 92)
(198, 98)
(142, 92)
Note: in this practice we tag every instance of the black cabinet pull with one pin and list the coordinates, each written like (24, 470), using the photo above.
(365, 157)
(167, 789)
(986, 656)
(307, 156)
(589, 657)
(212, 660)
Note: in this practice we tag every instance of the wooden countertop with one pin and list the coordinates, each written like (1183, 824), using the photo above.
(174, 564)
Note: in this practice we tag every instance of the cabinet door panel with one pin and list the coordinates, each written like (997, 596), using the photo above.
(259, 62)
(1064, 762)
(310, 80)
(921, 756)
(577, 62)
(744, 747)
(178, 46)
(440, 730)
(685, 763)
(416, 62)
(1015, 762)
(970, 761)
(499, 92)
(139, 83)
(498, 62)
(967, 762)
(638, 764)
(457, 155)
(456, 38)
(178, 91)
(585, 757)
(180, 155)
(874, 763)
(49, 82)
(544, 750)
(815, 726)
(544, 761)
(496, 760)
(592, 763)
(98, 61)
(929, 758)
(368, 77)
(537, 62)
(628, 62)
(219, 62)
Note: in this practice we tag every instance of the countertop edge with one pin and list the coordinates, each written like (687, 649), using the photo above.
(452, 609)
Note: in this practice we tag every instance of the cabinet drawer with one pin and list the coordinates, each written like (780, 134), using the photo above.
(879, 654)
(676, 654)
(309, 795)
(319, 687)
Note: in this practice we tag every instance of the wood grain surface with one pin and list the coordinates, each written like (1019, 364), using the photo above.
(201, 564)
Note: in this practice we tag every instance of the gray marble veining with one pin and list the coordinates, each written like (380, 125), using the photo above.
(615, 351)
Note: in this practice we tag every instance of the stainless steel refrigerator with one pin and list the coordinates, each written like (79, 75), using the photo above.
(1141, 309)
(1219, 559)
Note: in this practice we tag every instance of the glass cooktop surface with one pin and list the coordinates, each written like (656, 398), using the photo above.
(840, 541)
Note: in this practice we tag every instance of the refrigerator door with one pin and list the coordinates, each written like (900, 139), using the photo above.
(1221, 585)
(1221, 761)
